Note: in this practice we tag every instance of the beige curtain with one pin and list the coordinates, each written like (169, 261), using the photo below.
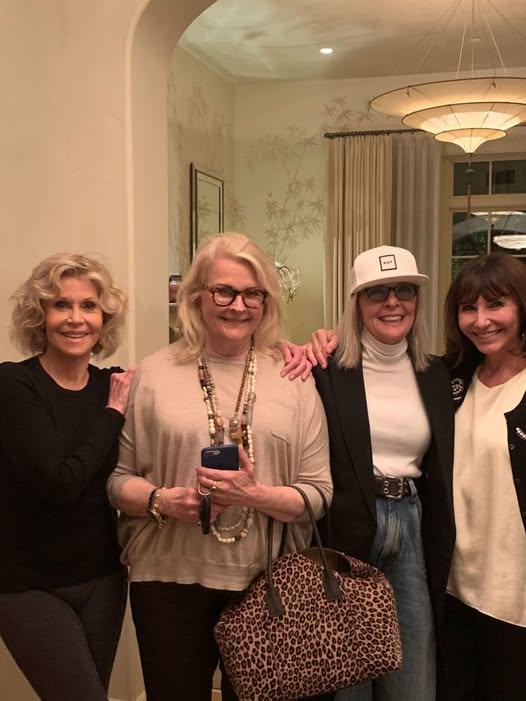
(359, 190)
(416, 210)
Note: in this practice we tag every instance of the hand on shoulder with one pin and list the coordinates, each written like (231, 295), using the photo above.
(118, 396)
(296, 361)
(322, 343)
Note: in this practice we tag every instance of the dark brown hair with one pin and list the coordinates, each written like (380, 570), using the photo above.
(491, 276)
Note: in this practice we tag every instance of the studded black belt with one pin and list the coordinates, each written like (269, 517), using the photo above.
(392, 487)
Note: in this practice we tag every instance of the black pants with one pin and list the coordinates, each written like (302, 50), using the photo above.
(485, 657)
(64, 640)
(175, 631)
(179, 654)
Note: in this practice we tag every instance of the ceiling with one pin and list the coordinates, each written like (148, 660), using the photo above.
(247, 40)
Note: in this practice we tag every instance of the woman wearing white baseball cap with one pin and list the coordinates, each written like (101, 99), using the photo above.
(390, 417)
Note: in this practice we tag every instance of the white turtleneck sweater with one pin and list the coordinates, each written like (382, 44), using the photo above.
(400, 433)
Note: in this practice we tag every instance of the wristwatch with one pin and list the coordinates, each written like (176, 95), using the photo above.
(152, 508)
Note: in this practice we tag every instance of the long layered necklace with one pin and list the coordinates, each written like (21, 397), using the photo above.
(239, 429)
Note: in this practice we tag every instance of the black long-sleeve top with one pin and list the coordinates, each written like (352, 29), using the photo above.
(57, 449)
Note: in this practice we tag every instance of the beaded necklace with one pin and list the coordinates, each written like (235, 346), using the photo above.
(239, 429)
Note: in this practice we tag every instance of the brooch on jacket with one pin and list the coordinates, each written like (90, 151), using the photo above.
(457, 389)
(520, 433)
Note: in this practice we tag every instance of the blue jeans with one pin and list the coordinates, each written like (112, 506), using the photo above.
(397, 551)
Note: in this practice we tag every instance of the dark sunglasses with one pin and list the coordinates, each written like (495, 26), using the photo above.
(403, 291)
(224, 295)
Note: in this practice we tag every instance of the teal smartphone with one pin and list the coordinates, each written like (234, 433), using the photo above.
(221, 457)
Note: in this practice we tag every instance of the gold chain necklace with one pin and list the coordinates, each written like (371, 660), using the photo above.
(240, 431)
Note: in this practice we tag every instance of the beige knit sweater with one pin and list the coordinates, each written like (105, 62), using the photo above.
(165, 429)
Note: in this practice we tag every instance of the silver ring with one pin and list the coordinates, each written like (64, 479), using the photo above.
(201, 493)
(213, 486)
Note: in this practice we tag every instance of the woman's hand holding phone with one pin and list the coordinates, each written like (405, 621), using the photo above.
(227, 486)
(218, 457)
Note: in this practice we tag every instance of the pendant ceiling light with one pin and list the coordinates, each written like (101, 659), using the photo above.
(463, 111)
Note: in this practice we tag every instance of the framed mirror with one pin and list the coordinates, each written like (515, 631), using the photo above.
(206, 206)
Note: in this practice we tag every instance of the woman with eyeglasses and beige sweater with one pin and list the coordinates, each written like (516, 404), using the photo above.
(193, 536)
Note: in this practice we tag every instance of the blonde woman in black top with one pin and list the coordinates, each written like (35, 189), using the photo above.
(62, 587)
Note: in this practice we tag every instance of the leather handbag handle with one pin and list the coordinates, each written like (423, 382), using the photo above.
(331, 586)
(327, 514)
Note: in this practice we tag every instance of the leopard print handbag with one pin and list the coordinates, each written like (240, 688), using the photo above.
(313, 623)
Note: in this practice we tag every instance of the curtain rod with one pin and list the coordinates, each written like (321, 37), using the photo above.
(335, 134)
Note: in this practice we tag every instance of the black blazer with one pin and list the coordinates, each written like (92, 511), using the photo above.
(353, 509)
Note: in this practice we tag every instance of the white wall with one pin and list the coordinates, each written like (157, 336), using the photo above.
(63, 159)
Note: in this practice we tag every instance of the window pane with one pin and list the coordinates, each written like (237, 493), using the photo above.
(479, 179)
(508, 176)
(508, 232)
(470, 234)
(457, 264)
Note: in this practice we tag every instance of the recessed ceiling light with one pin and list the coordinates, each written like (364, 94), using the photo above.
(326, 50)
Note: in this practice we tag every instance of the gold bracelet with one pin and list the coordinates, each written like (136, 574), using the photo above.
(153, 508)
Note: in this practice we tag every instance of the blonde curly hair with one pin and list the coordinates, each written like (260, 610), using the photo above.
(28, 328)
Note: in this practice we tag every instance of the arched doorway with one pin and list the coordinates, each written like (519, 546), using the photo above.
(152, 39)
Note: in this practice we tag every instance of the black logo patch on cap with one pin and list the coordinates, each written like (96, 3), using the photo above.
(388, 262)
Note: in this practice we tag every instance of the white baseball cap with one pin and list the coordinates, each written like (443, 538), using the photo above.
(382, 265)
